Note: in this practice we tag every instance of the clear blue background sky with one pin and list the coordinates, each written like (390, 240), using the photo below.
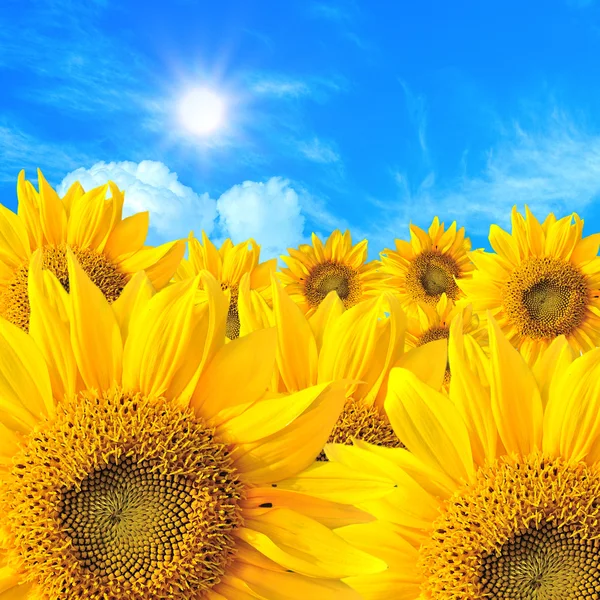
(365, 115)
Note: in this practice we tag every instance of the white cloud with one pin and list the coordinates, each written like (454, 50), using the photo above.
(269, 212)
(174, 208)
(319, 151)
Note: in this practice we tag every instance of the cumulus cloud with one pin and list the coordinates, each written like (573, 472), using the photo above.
(269, 212)
(150, 185)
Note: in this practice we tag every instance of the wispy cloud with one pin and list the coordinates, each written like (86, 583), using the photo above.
(22, 150)
(281, 87)
(555, 168)
(277, 85)
(415, 103)
(75, 64)
(340, 11)
(319, 151)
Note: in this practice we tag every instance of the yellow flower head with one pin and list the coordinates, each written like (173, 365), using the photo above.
(315, 270)
(543, 281)
(499, 485)
(109, 248)
(421, 270)
(227, 265)
(359, 345)
(433, 323)
(140, 456)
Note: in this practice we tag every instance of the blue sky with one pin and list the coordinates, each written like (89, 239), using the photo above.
(343, 113)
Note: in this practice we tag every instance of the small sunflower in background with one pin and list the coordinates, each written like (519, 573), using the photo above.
(110, 249)
(499, 485)
(315, 270)
(421, 270)
(542, 282)
(140, 456)
(433, 323)
(359, 345)
(227, 265)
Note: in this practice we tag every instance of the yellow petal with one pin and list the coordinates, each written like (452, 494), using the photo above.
(95, 335)
(291, 586)
(49, 327)
(132, 301)
(327, 312)
(260, 276)
(472, 397)
(504, 244)
(429, 425)
(159, 263)
(516, 400)
(24, 591)
(127, 237)
(25, 390)
(268, 416)
(159, 339)
(52, 211)
(239, 373)
(415, 506)
(331, 514)
(14, 243)
(29, 211)
(339, 483)
(296, 350)
(305, 546)
(285, 453)
(254, 312)
(87, 217)
(572, 419)
(427, 362)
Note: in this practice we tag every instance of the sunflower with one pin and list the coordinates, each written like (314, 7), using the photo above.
(499, 488)
(139, 454)
(228, 264)
(109, 248)
(543, 281)
(433, 323)
(359, 345)
(421, 270)
(315, 270)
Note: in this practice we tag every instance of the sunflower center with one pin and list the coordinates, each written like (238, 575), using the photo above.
(430, 275)
(544, 563)
(367, 423)
(14, 300)
(526, 528)
(329, 277)
(546, 297)
(123, 497)
(232, 327)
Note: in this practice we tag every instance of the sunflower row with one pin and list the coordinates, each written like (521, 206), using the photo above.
(423, 426)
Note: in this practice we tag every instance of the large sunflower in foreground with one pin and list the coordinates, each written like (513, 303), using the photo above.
(109, 248)
(421, 270)
(139, 455)
(315, 270)
(499, 489)
(227, 265)
(359, 345)
(543, 281)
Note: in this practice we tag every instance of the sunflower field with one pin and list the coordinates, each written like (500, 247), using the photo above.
(187, 421)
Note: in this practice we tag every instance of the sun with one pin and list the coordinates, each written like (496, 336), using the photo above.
(201, 111)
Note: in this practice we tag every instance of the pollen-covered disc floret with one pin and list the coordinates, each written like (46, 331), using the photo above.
(525, 529)
(14, 301)
(546, 297)
(122, 497)
(367, 423)
(430, 275)
(328, 277)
